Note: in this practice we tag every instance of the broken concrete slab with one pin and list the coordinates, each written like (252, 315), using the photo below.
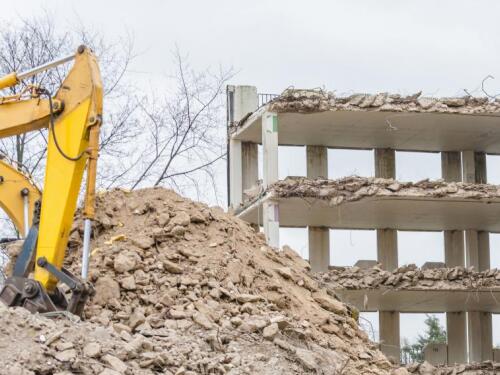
(377, 203)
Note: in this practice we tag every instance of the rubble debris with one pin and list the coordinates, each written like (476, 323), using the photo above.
(354, 188)
(410, 277)
(425, 368)
(309, 101)
(210, 299)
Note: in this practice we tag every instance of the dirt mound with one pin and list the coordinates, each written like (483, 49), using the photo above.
(211, 296)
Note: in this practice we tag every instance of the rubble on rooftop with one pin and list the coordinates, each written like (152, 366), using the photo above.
(410, 277)
(317, 100)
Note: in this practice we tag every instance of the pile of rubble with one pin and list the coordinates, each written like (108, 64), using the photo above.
(354, 188)
(410, 277)
(425, 368)
(309, 101)
(185, 289)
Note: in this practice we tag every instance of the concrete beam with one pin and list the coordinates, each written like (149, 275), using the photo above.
(389, 335)
(271, 223)
(434, 132)
(456, 329)
(249, 165)
(270, 148)
(319, 248)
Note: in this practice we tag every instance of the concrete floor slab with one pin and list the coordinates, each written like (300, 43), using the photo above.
(412, 131)
(402, 213)
(422, 301)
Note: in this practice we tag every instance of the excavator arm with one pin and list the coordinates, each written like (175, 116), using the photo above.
(73, 117)
(18, 196)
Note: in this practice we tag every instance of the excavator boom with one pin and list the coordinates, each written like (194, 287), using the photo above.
(73, 117)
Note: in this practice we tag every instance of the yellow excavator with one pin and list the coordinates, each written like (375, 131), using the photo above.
(73, 117)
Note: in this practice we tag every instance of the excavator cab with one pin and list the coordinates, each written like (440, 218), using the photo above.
(73, 118)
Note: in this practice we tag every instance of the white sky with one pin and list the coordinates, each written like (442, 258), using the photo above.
(348, 46)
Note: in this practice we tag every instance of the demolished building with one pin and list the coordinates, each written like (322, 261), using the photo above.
(462, 204)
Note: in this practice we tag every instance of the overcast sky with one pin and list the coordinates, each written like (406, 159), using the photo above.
(439, 48)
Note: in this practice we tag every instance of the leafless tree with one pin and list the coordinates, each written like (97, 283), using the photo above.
(27, 43)
(183, 132)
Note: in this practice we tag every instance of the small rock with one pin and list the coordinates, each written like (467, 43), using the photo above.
(124, 263)
(66, 355)
(202, 320)
(106, 289)
(92, 350)
(171, 267)
(181, 218)
(128, 283)
(115, 363)
(307, 359)
(143, 242)
(270, 331)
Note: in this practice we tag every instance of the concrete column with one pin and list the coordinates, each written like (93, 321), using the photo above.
(454, 255)
(319, 248)
(387, 248)
(235, 173)
(456, 329)
(387, 239)
(242, 100)
(387, 254)
(389, 334)
(477, 255)
(270, 148)
(317, 161)
(451, 166)
(319, 237)
(271, 221)
(249, 165)
(270, 175)
(385, 163)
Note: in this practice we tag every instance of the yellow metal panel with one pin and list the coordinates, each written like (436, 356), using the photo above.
(62, 185)
(11, 200)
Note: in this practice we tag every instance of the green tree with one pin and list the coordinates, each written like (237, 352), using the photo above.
(434, 333)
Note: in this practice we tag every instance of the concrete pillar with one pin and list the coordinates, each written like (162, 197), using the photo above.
(389, 334)
(249, 165)
(385, 163)
(319, 248)
(270, 148)
(387, 248)
(387, 239)
(271, 221)
(454, 252)
(480, 336)
(317, 161)
(477, 255)
(456, 329)
(451, 166)
(387, 254)
(235, 173)
(319, 237)
(242, 100)
(270, 175)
